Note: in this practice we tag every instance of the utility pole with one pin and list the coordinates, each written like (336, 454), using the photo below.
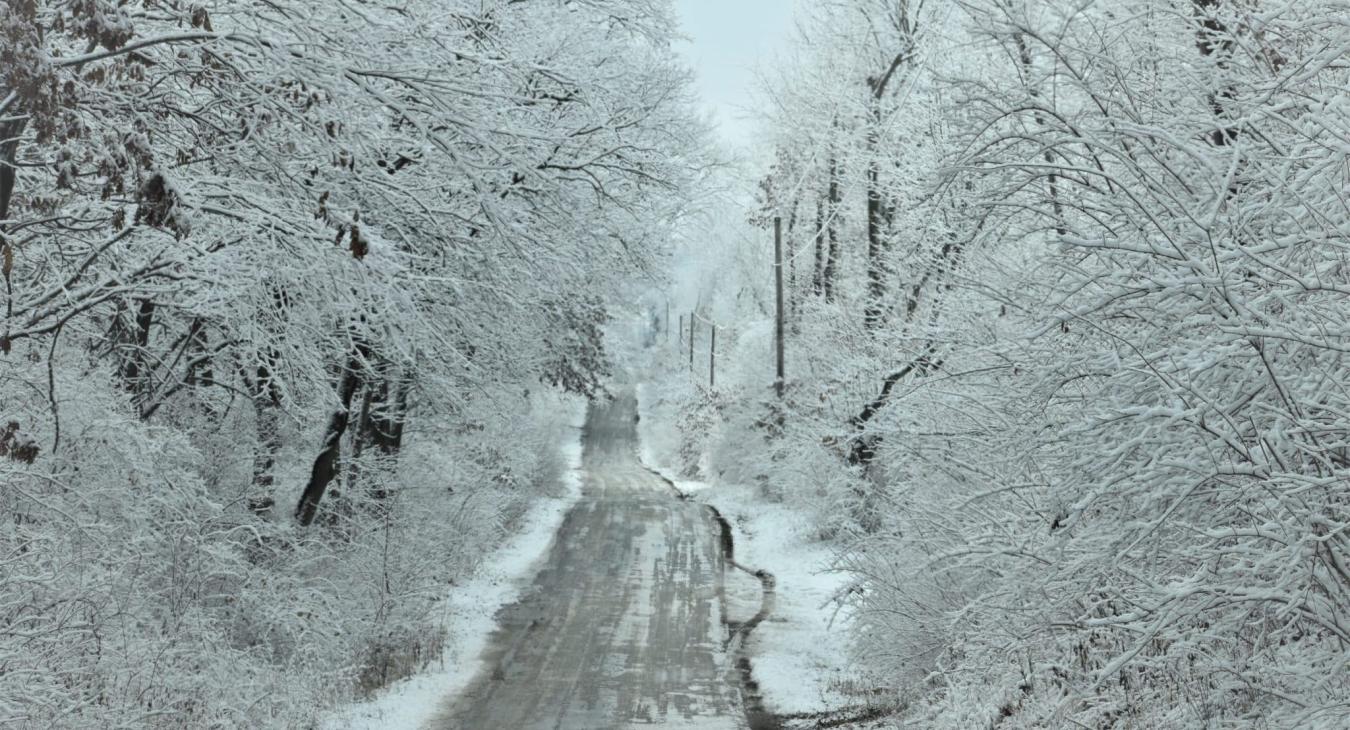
(691, 342)
(665, 323)
(712, 356)
(778, 286)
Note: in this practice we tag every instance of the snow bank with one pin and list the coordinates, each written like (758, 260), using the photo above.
(800, 652)
(470, 612)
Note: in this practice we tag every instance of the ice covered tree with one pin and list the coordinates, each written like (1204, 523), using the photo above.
(274, 258)
(1085, 444)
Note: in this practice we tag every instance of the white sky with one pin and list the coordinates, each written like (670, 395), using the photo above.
(728, 39)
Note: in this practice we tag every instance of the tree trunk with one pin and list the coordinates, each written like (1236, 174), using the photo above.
(9, 147)
(9, 150)
(1213, 39)
(362, 435)
(862, 449)
(793, 298)
(386, 426)
(136, 338)
(267, 421)
(876, 266)
(383, 411)
(876, 281)
(200, 371)
(1052, 180)
(831, 231)
(818, 272)
(326, 465)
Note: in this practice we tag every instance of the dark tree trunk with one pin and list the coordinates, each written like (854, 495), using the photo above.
(267, 419)
(9, 147)
(326, 465)
(200, 370)
(363, 427)
(818, 272)
(1052, 180)
(9, 150)
(876, 277)
(1214, 40)
(831, 232)
(862, 448)
(136, 338)
(401, 403)
(386, 426)
(383, 411)
(360, 438)
(793, 298)
(876, 265)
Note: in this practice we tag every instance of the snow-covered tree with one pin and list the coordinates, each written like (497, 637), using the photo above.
(277, 275)
(1075, 374)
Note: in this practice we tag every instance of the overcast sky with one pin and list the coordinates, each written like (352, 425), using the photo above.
(728, 38)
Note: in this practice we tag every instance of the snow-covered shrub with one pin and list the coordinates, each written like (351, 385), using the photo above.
(698, 424)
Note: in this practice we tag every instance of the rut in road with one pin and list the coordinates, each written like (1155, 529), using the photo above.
(625, 625)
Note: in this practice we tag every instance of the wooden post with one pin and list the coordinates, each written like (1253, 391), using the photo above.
(712, 356)
(691, 342)
(778, 287)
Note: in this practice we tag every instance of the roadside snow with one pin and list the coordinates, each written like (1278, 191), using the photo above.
(799, 652)
(470, 613)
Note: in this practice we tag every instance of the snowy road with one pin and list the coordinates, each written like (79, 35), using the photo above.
(623, 626)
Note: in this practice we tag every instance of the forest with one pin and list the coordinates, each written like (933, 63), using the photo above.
(1066, 352)
(298, 298)
(292, 294)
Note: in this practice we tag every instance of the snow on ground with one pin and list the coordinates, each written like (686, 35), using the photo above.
(799, 652)
(470, 612)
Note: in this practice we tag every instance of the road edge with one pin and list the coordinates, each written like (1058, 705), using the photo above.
(470, 610)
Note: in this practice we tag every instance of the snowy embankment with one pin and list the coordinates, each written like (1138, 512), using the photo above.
(469, 612)
(799, 652)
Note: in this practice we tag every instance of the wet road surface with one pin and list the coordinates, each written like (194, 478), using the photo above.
(623, 626)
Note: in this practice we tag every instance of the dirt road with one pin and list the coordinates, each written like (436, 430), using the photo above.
(625, 624)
